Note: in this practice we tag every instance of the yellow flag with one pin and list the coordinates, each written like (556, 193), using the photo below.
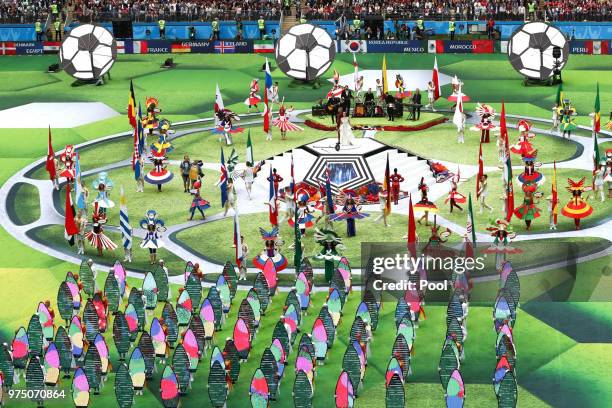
(384, 75)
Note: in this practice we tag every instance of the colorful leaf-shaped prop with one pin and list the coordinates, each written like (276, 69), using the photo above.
(169, 388)
(194, 287)
(306, 342)
(263, 291)
(145, 344)
(20, 347)
(64, 350)
(93, 368)
(180, 364)
(184, 308)
(124, 390)
(242, 338)
(345, 395)
(269, 272)
(52, 365)
(393, 368)
(64, 301)
(401, 351)
(75, 290)
(137, 369)
(35, 337)
(77, 339)
(87, 278)
(269, 369)
(245, 312)
(90, 318)
(121, 277)
(334, 306)
(46, 321)
(253, 300)
(302, 288)
(158, 336)
(196, 325)
(6, 366)
(507, 393)
(35, 380)
(112, 293)
(191, 348)
(215, 301)
(328, 322)
(279, 355)
(217, 387)
(319, 339)
(207, 314)
(80, 389)
(455, 390)
(449, 362)
(101, 309)
(232, 360)
(121, 334)
(131, 317)
(259, 390)
(351, 363)
(229, 273)
(135, 299)
(102, 348)
(302, 391)
(395, 396)
(149, 289)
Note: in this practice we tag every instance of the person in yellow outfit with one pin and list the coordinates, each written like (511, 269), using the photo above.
(161, 23)
(38, 30)
(261, 24)
(57, 26)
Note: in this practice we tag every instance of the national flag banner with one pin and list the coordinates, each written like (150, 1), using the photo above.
(180, 48)
(387, 187)
(224, 47)
(483, 46)
(412, 237)
(470, 229)
(355, 71)
(50, 163)
(273, 208)
(8, 48)
(435, 46)
(249, 150)
(596, 157)
(507, 164)
(263, 47)
(29, 48)
(237, 239)
(223, 180)
(384, 75)
(435, 79)
(297, 242)
(120, 47)
(480, 171)
(353, 46)
(554, 195)
(589, 47)
(51, 47)
(596, 114)
(267, 90)
(124, 221)
(503, 47)
(131, 108)
(70, 227)
(139, 47)
(154, 47)
(329, 199)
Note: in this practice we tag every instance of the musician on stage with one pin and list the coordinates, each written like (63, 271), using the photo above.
(416, 105)
(332, 108)
(346, 96)
(369, 102)
(390, 101)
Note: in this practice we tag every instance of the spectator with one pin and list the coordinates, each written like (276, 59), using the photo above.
(451, 28)
(261, 24)
(162, 28)
(490, 28)
(215, 29)
(38, 30)
(57, 26)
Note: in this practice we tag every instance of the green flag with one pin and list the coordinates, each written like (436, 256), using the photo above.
(249, 150)
(297, 259)
(470, 228)
(597, 116)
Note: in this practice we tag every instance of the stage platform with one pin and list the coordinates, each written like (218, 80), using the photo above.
(427, 120)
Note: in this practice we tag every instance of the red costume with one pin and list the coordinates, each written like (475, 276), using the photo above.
(276, 179)
(68, 158)
(395, 179)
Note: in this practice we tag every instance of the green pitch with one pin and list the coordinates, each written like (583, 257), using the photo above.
(563, 328)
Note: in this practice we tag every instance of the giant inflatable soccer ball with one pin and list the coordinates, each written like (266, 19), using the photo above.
(88, 52)
(530, 50)
(305, 52)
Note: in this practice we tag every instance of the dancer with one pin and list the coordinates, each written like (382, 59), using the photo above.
(455, 197)
(401, 91)
(345, 131)
(528, 211)
(242, 270)
(162, 142)
(383, 197)
(231, 197)
(330, 244)
(289, 204)
(502, 232)
(457, 86)
(195, 172)
(577, 208)
(555, 119)
(424, 204)
(304, 213)
(283, 122)
(154, 228)
(96, 236)
(552, 225)
(486, 114)
(150, 122)
(254, 97)
(483, 192)
(249, 174)
(159, 174)
(81, 222)
(461, 128)
(395, 179)
(226, 126)
(103, 184)
(350, 212)
(276, 179)
(608, 171)
(198, 203)
(598, 181)
(274, 97)
(431, 88)
(68, 159)
(272, 244)
(567, 112)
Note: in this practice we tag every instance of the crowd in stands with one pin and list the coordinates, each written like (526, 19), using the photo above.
(24, 11)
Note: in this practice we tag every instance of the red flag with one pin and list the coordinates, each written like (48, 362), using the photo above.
(387, 187)
(267, 89)
(508, 165)
(273, 207)
(480, 171)
(554, 195)
(69, 222)
(435, 79)
(411, 229)
(50, 166)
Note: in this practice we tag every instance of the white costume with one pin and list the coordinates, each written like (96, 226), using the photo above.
(346, 132)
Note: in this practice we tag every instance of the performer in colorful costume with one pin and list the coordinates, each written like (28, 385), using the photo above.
(96, 236)
(198, 203)
(226, 126)
(455, 197)
(154, 228)
(159, 174)
(566, 112)
(350, 212)
(528, 211)
(435, 243)
(486, 114)
(304, 213)
(276, 179)
(283, 123)
(424, 204)
(395, 179)
(253, 98)
(502, 232)
(577, 208)
(150, 123)
(272, 243)
(103, 185)
(330, 244)
(401, 90)
(68, 159)
(163, 142)
(457, 86)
